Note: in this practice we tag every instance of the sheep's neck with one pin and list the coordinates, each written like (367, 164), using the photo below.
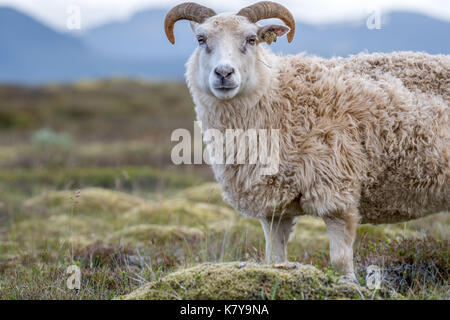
(248, 112)
(236, 114)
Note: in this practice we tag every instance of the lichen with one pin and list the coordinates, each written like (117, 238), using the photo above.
(249, 281)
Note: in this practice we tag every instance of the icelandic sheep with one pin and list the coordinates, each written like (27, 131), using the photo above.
(364, 139)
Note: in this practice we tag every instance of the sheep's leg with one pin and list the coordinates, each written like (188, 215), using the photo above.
(277, 232)
(342, 233)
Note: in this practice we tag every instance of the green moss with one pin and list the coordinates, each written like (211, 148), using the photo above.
(92, 200)
(149, 234)
(387, 231)
(53, 232)
(179, 211)
(207, 193)
(248, 281)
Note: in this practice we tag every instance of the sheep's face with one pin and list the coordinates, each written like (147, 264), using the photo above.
(228, 54)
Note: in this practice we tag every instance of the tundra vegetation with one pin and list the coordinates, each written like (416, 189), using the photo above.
(139, 227)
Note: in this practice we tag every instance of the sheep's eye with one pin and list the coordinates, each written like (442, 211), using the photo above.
(251, 40)
(201, 40)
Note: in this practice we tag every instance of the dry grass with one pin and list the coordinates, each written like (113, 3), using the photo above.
(122, 242)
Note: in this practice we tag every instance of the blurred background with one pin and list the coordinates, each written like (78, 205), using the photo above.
(90, 92)
(98, 84)
(51, 41)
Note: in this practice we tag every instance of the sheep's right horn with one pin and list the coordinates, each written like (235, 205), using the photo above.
(267, 10)
(185, 11)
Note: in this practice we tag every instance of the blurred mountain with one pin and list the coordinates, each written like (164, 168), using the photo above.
(32, 53)
(142, 38)
(399, 31)
(29, 48)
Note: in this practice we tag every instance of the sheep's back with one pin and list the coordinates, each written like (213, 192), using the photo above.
(429, 74)
(399, 103)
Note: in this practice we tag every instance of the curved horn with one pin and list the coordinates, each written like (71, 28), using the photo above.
(267, 10)
(185, 11)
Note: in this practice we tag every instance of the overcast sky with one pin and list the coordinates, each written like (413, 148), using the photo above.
(96, 12)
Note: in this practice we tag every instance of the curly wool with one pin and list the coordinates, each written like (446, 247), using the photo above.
(370, 132)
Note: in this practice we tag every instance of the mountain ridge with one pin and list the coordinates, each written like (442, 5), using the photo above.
(31, 52)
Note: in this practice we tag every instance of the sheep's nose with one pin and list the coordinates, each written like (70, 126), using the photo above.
(224, 72)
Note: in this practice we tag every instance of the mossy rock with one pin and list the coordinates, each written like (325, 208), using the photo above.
(91, 200)
(249, 281)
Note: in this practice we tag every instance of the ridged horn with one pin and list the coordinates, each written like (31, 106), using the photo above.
(186, 11)
(267, 10)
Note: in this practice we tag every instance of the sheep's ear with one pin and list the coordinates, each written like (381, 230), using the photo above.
(194, 25)
(270, 33)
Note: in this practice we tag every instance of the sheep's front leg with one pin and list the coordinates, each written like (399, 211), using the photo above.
(277, 232)
(342, 233)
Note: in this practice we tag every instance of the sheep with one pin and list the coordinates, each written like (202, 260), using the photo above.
(364, 139)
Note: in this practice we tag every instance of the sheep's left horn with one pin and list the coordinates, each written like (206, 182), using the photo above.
(185, 11)
(267, 10)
